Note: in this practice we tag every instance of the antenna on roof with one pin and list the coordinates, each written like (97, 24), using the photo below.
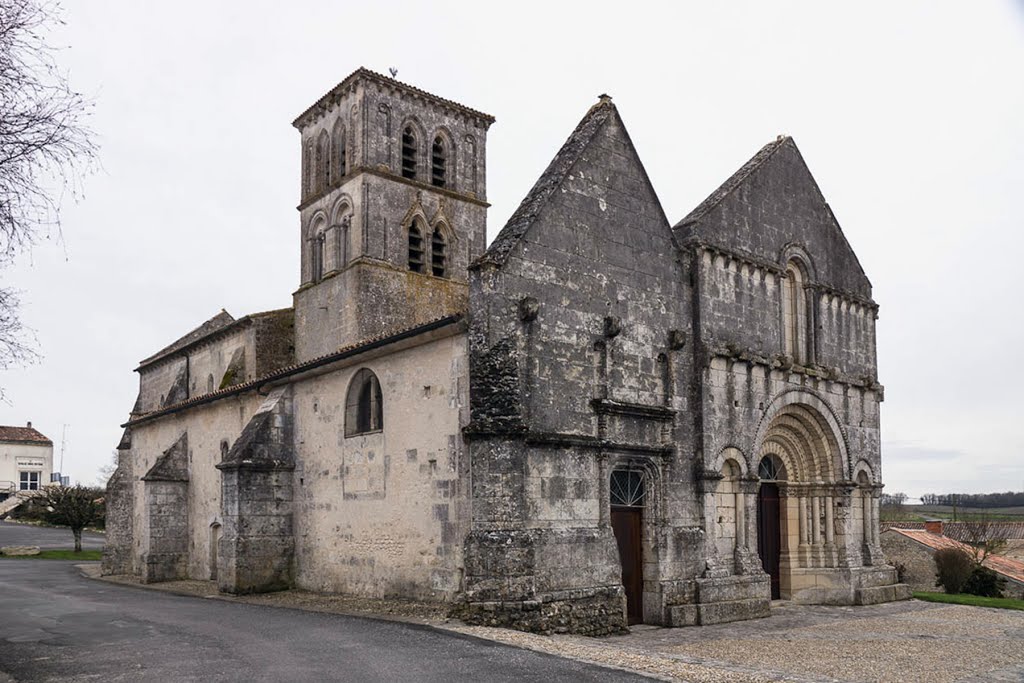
(393, 71)
(63, 442)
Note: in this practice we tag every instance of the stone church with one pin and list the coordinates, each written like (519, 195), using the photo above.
(597, 420)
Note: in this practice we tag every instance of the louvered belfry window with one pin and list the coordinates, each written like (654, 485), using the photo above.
(438, 163)
(415, 247)
(438, 255)
(409, 153)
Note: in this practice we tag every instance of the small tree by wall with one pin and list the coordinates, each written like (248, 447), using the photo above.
(73, 506)
(953, 569)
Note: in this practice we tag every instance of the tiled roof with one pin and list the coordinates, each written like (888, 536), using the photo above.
(549, 181)
(296, 368)
(734, 181)
(1012, 569)
(23, 435)
(961, 531)
(362, 72)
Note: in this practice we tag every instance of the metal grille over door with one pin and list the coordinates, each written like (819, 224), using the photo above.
(627, 488)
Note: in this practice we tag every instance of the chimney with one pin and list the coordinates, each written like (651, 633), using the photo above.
(30, 424)
(934, 527)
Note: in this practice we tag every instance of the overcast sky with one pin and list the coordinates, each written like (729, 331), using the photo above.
(909, 114)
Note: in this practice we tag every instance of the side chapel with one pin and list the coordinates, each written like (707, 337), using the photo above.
(597, 420)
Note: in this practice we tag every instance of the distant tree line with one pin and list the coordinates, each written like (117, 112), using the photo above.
(975, 500)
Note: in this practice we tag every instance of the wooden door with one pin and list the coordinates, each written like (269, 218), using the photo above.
(627, 523)
(769, 537)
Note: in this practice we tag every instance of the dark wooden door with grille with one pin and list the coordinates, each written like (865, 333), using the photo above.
(627, 525)
(769, 537)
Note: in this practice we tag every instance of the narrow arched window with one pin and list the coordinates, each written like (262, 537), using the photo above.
(209, 383)
(323, 162)
(307, 169)
(416, 247)
(317, 256)
(409, 153)
(438, 163)
(340, 163)
(794, 313)
(438, 253)
(364, 405)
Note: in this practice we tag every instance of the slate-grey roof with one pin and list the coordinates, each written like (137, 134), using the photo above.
(497, 253)
(733, 182)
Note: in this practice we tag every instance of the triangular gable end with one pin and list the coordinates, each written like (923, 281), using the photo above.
(555, 175)
(771, 203)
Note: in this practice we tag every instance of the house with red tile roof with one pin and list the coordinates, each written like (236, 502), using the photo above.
(26, 459)
(915, 550)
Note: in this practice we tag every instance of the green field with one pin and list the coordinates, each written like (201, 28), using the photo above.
(973, 600)
(84, 556)
(918, 513)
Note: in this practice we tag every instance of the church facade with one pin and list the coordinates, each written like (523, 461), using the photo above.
(599, 419)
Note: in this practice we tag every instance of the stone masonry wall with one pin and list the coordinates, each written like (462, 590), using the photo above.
(383, 514)
(577, 339)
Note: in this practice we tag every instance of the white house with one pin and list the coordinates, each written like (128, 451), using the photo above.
(26, 459)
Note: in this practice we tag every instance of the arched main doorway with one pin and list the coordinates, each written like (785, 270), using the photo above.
(628, 496)
(800, 536)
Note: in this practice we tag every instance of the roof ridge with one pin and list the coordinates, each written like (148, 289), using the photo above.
(295, 368)
(552, 177)
(381, 78)
(23, 435)
(733, 182)
(188, 340)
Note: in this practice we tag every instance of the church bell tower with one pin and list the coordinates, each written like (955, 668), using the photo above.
(393, 211)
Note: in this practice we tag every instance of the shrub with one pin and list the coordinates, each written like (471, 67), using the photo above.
(985, 583)
(953, 569)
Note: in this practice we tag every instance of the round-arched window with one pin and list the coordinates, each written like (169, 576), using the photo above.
(771, 469)
(364, 405)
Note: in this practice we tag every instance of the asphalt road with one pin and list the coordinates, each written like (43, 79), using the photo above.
(46, 537)
(56, 625)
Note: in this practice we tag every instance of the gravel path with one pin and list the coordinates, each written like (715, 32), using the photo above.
(906, 642)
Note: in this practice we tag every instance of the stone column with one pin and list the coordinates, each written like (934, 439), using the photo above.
(741, 516)
(747, 560)
(847, 546)
(830, 531)
(708, 482)
(802, 552)
(816, 529)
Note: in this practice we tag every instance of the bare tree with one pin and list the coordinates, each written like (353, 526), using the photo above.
(71, 506)
(984, 535)
(107, 471)
(45, 148)
(892, 505)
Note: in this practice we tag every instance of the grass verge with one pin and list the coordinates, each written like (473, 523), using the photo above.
(974, 600)
(84, 556)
